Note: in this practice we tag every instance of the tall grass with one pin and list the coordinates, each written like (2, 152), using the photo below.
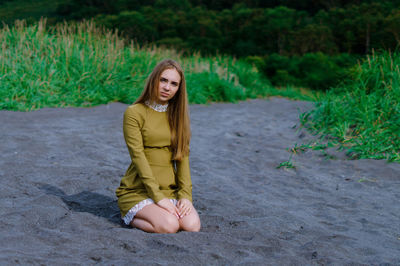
(363, 116)
(79, 64)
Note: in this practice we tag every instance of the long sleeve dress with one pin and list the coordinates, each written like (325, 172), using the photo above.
(152, 172)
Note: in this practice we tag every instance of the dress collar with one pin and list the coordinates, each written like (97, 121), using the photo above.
(156, 106)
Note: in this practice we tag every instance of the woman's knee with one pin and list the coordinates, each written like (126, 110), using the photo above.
(191, 225)
(169, 224)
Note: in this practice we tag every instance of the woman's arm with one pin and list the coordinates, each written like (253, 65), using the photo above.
(133, 122)
(184, 179)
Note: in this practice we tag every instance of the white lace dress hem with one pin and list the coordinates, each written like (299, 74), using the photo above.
(132, 212)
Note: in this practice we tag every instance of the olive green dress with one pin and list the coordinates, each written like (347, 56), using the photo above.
(152, 173)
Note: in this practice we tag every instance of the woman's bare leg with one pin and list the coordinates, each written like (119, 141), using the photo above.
(143, 225)
(154, 219)
(190, 222)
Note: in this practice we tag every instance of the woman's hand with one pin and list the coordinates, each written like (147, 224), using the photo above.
(167, 205)
(184, 207)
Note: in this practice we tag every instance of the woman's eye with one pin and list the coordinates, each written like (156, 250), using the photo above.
(174, 84)
(163, 80)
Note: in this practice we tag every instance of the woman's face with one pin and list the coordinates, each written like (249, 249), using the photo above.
(168, 85)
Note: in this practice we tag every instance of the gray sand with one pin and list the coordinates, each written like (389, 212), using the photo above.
(59, 169)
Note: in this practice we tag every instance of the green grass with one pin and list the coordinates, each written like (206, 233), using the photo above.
(363, 116)
(286, 165)
(79, 64)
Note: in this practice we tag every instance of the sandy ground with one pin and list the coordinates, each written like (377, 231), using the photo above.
(59, 169)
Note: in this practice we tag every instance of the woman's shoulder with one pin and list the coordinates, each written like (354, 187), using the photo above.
(136, 110)
(138, 107)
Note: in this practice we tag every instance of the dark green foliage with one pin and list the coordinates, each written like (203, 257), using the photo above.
(77, 9)
(249, 28)
(240, 28)
(29, 10)
(312, 70)
(319, 71)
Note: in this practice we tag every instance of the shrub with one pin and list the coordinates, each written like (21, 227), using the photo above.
(313, 70)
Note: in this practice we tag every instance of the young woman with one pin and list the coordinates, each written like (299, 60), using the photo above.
(155, 195)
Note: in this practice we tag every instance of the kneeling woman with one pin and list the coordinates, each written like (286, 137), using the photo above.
(155, 195)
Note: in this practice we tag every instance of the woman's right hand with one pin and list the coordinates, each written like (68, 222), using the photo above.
(167, 205)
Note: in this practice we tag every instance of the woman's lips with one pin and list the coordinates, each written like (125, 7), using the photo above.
(164, 94)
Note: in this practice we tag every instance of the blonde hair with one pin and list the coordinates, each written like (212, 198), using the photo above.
(178, 109)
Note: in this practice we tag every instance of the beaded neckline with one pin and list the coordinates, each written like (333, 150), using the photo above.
(157, 107)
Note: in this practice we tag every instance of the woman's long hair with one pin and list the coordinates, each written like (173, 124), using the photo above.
(178, 110)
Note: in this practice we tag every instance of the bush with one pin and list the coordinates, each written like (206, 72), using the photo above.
(313, 70)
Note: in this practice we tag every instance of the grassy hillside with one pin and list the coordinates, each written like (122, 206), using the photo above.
(363, 116)
(82, 65)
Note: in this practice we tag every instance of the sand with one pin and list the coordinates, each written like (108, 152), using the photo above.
(59, 169)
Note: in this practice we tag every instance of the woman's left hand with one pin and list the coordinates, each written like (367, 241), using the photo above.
(184, 207)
